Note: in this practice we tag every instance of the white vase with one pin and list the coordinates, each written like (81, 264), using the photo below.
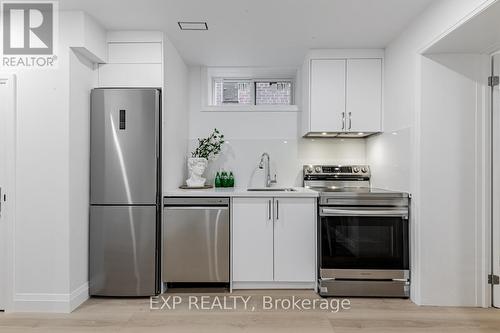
(196, 168)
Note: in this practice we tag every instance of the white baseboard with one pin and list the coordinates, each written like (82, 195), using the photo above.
(56, 303)
(273, 285)
(78, 296)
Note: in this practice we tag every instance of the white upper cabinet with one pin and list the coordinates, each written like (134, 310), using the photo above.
(135, 53)
(328, 98)
(132, 63)
(130, 75)
(342, 93)
(364, 95)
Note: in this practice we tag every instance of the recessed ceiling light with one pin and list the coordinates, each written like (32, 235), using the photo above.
(361, 133)
(193, 25)
(324, 133)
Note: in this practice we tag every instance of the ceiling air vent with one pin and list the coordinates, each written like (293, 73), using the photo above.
(193, 25)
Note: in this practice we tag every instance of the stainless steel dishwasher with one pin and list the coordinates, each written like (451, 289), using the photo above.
(195, 242)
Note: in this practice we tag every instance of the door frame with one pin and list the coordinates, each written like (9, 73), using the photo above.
(494, 100)
(10, 190)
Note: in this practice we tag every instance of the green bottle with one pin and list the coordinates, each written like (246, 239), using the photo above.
(217, 180)
(223, 178)
(231, 179)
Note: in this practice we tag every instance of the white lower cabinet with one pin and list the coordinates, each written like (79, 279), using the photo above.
(274, 241)
(294, 239)
(252, 239)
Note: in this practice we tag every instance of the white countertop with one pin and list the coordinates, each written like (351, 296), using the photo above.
(299, 192)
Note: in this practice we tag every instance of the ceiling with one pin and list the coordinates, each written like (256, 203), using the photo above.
(258, 32)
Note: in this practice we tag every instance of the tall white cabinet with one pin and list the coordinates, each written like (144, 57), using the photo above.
(342, 94)
(273, 242)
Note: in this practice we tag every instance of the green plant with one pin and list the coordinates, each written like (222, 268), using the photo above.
(209, 147)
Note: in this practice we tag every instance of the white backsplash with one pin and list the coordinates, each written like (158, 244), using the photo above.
(389, 156)
(242, 156)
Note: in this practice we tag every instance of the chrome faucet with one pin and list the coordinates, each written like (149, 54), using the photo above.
(269, 181)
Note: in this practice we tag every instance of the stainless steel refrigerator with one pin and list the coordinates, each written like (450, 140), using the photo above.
(125, 192)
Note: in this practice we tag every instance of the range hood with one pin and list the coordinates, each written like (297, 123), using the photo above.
(327, 135)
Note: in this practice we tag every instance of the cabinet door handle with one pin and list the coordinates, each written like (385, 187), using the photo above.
(350, 120)
(277, 209)
(269, 206)
(343, 120)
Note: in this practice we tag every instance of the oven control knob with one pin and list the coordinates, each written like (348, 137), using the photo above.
(318, 169)
(355, 169)
(309, 169)
(364, 170)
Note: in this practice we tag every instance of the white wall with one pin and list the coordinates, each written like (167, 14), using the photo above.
(452, 107)
(253, 132)
(83, 77)
(42, 228)
(175, 117)
(49, 268)
(89, 38)
(400, 160)
(94, 39)
(401, 57)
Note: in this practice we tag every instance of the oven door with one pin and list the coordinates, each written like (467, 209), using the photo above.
(364, 242)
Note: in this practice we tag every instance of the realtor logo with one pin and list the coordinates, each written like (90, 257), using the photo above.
(29, 30)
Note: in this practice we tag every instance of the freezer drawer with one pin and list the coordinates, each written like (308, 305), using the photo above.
(196, 244)
(122, 250)
(124, 147)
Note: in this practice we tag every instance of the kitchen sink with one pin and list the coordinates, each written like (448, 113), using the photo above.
(271, 189)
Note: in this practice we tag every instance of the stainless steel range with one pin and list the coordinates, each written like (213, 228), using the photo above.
(363, 233)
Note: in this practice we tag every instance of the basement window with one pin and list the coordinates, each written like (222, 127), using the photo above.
(273, 93)
(230, 91)
(233, 92)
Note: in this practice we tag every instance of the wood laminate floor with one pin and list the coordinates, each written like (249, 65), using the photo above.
(365, 315)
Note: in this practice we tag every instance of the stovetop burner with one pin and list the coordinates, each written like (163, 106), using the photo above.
(342, 180)
(357, 192)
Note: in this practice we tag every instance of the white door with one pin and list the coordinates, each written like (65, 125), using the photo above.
(252, 240)
(6, 163)
(327, 107)
(364, 95)
(294, 239)
(496, 183)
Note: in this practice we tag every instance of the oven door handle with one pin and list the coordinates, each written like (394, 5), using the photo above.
(363, 212)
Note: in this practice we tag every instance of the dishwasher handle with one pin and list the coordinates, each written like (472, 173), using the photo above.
(196, 201)
(196, 207)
